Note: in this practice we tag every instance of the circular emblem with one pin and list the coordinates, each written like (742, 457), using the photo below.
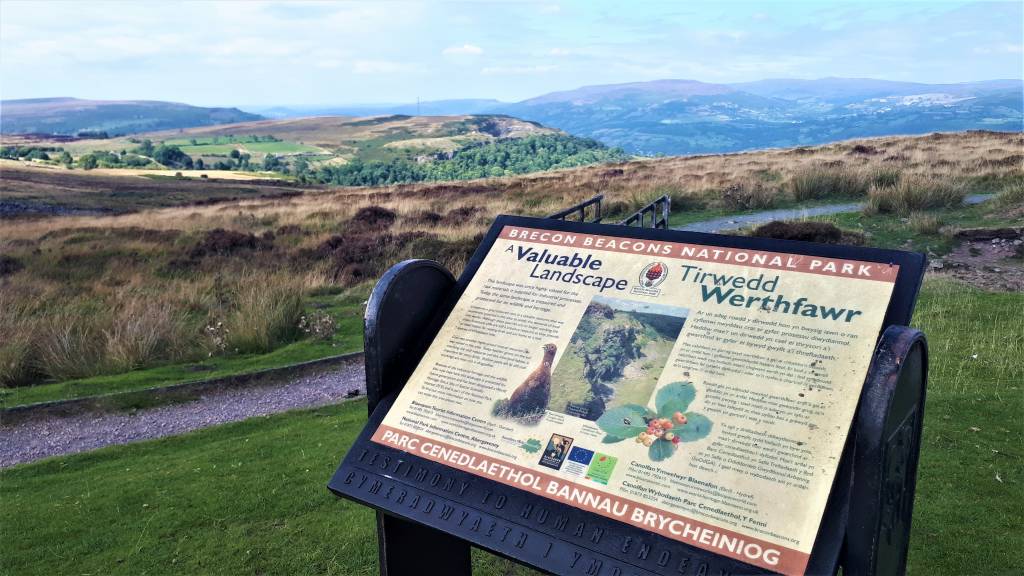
(653, 274)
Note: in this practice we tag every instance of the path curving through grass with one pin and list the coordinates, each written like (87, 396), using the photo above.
(736, 222)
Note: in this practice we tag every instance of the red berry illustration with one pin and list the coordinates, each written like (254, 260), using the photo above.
(676, 440)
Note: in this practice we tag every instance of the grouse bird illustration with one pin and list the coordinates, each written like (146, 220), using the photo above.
(529, 401)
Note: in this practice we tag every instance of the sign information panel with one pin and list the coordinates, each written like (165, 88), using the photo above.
(701, 393)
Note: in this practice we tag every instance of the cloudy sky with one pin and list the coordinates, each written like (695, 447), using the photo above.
(248, 53)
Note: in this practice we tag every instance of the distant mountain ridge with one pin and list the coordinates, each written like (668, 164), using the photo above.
(692, 117)
(70, 116)
(689, 117)
(671, 116)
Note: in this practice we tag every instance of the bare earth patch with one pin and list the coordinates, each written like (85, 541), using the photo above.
(988, 259)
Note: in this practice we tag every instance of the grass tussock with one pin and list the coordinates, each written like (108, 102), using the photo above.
(265, 316)
(828, 182)
(144, 332)
(924, 223)
(750, 194)
(124, 330)
(1011, 196)
(916, 193)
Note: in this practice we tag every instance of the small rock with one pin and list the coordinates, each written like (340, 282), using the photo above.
(936, 264)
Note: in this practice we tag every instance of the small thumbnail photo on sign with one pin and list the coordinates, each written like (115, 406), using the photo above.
(556, 451)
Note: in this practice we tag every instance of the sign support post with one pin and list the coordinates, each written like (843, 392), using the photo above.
(397, 316)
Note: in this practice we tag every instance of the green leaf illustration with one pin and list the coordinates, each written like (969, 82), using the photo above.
(661, 449)
(623, 421)
(675, 397)
(697, 426)
(532, 445)
(609, 439)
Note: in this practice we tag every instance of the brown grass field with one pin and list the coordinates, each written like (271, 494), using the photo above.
(84, 287)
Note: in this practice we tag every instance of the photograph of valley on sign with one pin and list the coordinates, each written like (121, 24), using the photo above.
(757, 305)
(615, 356)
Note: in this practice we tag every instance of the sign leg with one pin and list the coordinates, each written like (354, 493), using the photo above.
(410, 549)
(400, 311)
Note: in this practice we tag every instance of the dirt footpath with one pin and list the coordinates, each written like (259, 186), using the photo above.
(991, 259)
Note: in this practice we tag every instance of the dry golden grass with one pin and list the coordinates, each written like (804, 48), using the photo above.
(691, 181)
(95, 267)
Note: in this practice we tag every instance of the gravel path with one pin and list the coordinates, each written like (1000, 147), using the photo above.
(758, 218)
(54, 435)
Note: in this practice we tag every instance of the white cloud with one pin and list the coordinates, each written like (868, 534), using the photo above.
(377, 67)
(464, 50)
(559, 52)
(517, 70)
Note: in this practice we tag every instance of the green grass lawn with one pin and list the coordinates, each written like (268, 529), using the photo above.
(347, 311)
(250, 497)
(243, 498)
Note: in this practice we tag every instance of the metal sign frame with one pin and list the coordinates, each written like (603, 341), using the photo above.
(429, 514)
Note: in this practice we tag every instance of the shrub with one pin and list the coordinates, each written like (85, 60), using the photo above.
(319, 325)
(9, 265)
(916, 193)
(374, 218)
(822, 182)
(226, 242)
(805, 230)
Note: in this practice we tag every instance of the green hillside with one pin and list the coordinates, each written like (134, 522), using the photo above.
(615, 357)
(72, 116)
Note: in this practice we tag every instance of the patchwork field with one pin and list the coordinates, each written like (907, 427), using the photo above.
(374, 138)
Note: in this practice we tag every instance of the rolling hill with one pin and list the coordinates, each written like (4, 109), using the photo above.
(70, 116)
(370, 137)
(329, 150)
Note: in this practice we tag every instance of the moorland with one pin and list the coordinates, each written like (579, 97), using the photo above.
(89, 298)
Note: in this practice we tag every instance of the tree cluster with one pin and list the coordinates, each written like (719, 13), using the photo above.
(501, 157)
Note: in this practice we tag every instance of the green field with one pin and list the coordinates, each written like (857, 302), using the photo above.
(249, 497)
(223, 145)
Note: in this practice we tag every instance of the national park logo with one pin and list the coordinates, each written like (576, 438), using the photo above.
(653, 274)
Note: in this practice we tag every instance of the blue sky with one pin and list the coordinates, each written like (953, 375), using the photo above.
(322, 53)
